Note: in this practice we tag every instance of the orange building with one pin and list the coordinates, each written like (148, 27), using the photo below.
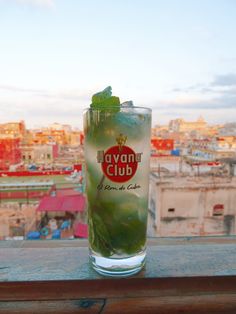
(13, 129)
(50, 136)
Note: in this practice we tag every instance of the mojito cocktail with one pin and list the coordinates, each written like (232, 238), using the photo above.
(117, 153)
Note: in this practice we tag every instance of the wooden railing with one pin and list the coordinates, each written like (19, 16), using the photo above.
(182, 275)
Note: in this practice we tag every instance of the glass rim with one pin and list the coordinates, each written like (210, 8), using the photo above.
(114, 107)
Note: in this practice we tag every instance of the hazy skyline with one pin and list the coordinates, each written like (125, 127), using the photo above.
(176, 56)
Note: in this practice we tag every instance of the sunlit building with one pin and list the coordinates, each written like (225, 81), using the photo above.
(13, 129)
(213, 149)
(180, 125)
(39, 154)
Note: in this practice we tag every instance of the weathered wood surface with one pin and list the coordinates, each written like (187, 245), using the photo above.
(152, 241)
(121, 288)
(59, 307)
(71, 263)
(169, 305)
(184, 275)
(206, 304)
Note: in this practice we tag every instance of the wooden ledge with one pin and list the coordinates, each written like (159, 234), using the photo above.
(187, 275)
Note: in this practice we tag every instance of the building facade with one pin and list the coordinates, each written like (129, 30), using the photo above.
(10, 152)
(192, 206)
(180, 125)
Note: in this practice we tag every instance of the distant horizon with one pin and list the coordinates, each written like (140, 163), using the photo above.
(46, 125)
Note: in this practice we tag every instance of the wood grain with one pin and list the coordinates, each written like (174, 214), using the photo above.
(111, 288)
(207, 304)
(72, 263)
(90, 306)
(151, 241)
(180, 276)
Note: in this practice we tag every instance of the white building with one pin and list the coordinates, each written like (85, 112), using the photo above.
(192, 206)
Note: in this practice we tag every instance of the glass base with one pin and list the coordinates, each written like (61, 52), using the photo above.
(118, 267)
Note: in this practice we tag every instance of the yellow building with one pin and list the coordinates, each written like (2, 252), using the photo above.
(180, 125)
(13, 129)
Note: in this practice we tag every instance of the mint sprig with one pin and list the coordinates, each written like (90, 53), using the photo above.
(105, 101)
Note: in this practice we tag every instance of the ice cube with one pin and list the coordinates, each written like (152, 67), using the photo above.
(126, 119)
(127, 104)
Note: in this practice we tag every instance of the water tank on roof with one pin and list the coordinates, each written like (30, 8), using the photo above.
(33, 235)
(175, 152)
(56, 234)
(32, 167)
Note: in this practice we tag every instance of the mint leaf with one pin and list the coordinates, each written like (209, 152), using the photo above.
(99, 236)
(105, 101)
(101, 96)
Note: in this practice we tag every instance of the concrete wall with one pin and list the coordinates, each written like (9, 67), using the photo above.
(4, 227)
(181, 207)
(12, 215)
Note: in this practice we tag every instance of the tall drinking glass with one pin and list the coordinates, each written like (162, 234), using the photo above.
(117, 153)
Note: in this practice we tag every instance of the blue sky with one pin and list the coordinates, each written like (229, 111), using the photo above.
(175, 56)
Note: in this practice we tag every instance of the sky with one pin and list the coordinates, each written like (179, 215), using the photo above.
(177, 57)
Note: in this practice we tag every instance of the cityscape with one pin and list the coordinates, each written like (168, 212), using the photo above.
(192, 180)
(117, 156)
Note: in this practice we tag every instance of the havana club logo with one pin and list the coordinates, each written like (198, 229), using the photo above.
(119, 163)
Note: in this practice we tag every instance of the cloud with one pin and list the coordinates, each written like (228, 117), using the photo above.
(12, 88)
(224, 80)
(220, 85)
(199, 88)
(41, 3)
(73, 94)
(228, 60)
(217, 110)
(63, 94)
(222, 103)
(43, 106)
(216, 104)
(186, 89)
(42, 112)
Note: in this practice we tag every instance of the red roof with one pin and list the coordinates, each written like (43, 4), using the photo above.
(163, 144)
(81, 230)
(66, 191)
(69, 203)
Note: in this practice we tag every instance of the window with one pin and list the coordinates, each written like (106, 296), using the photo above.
(218, 210)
